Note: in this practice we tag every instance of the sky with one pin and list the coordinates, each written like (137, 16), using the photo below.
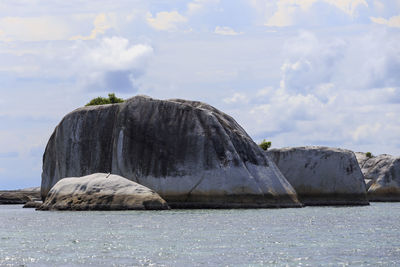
(294, 72)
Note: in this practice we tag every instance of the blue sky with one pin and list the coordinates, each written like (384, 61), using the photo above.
(296, 72)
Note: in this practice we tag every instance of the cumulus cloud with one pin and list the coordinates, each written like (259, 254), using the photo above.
(289, 12)
(236, 98)
(224, 30)
(114, 64)
(101, 23)
(331, 93)
(165, 21)
(391, 22)
(198, 5)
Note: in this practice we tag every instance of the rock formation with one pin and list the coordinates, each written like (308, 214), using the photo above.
(190, 153)
(382, 176)
(101, 191)
(13, 197)
(321, 175)
(20, 196)
(33, 204)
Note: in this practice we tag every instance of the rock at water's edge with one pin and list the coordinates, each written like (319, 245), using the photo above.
(190, 153)
(20, 196)
(33, 204)
(101, 191)
(322, 175)
(13, 197)
(382, 175)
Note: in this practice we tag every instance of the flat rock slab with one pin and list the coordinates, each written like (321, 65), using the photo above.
(101, 191)
(33, 204)
(14, 197)
(322, 175)
(190, 153)
(382, 176)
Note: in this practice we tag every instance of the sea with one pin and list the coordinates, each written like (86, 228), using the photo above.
(310, 236)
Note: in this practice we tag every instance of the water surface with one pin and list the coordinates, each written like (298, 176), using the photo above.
(311, 236)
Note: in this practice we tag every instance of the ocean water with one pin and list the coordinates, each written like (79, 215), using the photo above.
(311, 236)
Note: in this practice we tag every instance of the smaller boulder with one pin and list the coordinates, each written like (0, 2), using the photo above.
(101, 191)
(33, 204)
(322, 175)
(382, 176)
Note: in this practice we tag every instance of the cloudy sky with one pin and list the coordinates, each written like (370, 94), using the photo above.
(295, 72)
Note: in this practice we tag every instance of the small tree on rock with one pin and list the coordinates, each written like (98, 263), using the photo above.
(265, 144)
(112, 99)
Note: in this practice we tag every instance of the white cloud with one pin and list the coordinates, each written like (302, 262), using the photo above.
(165, 21)
(101, 24)
(223, 30)
(236, 98)
(198, 5)
(391, 22)
(288, 11)
(33, 29)
(332, 93)
(116, 54)
(113, 64)
(347, 6)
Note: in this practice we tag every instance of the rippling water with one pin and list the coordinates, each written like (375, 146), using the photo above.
(311, 236)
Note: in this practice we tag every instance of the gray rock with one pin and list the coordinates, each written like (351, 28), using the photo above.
(19, 196)
(322, 175)
(101, 191)
(33, 204)
(190, 153)
(32, 192)
(382, 175)
(13, 197)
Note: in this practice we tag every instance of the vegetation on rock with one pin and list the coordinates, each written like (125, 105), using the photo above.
(368, 155)
(112, 99)
(265, 144)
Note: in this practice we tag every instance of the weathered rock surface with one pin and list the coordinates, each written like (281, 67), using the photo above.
(32, 192)
(101, 191)
(382, 176)
(20, 196)
(190, 153)
(33, 204)
(14, 197)
(322, 175)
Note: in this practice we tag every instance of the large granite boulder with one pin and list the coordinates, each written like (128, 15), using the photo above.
(382, 176)
(190, 153)
(101, 191)
(322, 175)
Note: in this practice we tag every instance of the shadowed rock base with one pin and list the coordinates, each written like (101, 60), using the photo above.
(33, 204)
(334, 200)
(14, 197)
(233, 202)
(384, 193)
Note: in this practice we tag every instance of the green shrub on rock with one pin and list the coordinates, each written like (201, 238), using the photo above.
(368, 155)
(112, 99)
(265, 144)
